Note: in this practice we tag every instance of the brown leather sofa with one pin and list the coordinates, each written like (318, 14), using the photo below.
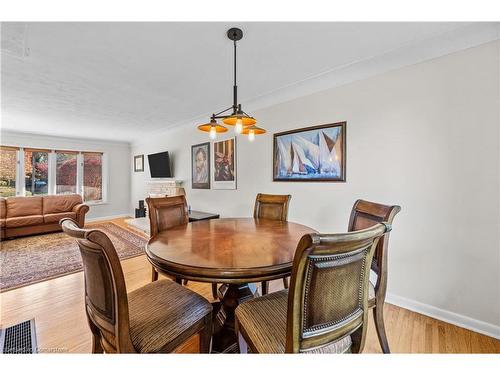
(22, 216)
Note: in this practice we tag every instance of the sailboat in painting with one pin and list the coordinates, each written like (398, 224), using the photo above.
(309, 149)
(310, 154)
(285, 157)
(301, 164)
(329, 160)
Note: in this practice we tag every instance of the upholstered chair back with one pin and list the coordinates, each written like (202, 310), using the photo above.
(106, 300)
(165, 213)
(328, 297)
(273, 207)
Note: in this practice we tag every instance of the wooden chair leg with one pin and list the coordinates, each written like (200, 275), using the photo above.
(178, 280)
(285, 282)
(154, 274)
(184, 282)
(215, 295)
(96, 339)
(96, 344)
(265, 287)
(378, 317)
(206, 335)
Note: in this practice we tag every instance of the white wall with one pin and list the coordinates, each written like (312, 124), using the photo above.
(118, 154)
(425, 137)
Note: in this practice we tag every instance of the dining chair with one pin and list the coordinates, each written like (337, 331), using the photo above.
(165, 213)
(363, 215)
(325, 310)
(155, 318)
(272, 207)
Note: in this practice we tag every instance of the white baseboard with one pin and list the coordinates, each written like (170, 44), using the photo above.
(102, 218)
(444, 315)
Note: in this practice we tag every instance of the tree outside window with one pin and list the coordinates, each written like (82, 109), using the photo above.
(66, 173)
(36, 172)
(92, 177)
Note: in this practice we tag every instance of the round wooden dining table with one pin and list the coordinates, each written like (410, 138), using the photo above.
(230, 251)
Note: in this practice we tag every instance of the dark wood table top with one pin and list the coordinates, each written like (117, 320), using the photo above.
(229, 250)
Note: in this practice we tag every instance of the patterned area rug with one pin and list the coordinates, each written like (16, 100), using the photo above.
(28, 260)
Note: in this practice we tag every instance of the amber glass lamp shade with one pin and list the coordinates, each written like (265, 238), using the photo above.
(246, 121)
(252, 131)
(212, 128)
(210, 125)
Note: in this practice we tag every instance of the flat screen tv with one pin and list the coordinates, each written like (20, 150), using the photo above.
(159, 165)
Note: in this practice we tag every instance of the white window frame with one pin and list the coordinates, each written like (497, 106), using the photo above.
(52, 161)
(20, 185)
(79, 174)
(52, 173)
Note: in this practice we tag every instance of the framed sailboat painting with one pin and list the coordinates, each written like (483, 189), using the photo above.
(317, 153)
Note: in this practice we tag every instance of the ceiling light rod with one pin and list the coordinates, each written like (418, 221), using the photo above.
(234, 34)
(235, 86)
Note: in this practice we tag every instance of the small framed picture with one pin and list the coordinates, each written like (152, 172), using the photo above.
(224, 164)
(200, 166)
(139, 163)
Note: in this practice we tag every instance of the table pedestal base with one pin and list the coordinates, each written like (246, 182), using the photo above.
(224, 337)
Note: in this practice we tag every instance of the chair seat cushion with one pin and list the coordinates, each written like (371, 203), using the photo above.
(263, 319)
(23, 221)
(54, 218)
(162, 311)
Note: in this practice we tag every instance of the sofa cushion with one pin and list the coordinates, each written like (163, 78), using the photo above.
(54, 218)
(3, 208)
(23, 206)
(24, 221)
(54, 204)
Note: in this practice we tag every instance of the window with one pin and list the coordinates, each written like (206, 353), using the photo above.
(92, 177)
(66, 172)
(30, 172)
(36, 172)
(8, 169)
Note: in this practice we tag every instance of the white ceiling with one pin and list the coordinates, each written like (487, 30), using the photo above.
(117, 81)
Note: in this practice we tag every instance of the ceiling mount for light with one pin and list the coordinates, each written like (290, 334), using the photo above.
(237, 118)
(235, 34)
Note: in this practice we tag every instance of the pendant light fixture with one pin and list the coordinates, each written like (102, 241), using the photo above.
(252, 131)
(242, 122)
(212, 128)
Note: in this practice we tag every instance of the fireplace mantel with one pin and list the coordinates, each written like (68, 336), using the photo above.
(162, 187)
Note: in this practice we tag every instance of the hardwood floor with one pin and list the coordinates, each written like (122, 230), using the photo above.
(58, 309)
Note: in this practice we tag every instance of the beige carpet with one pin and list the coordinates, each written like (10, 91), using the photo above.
(32, 259)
